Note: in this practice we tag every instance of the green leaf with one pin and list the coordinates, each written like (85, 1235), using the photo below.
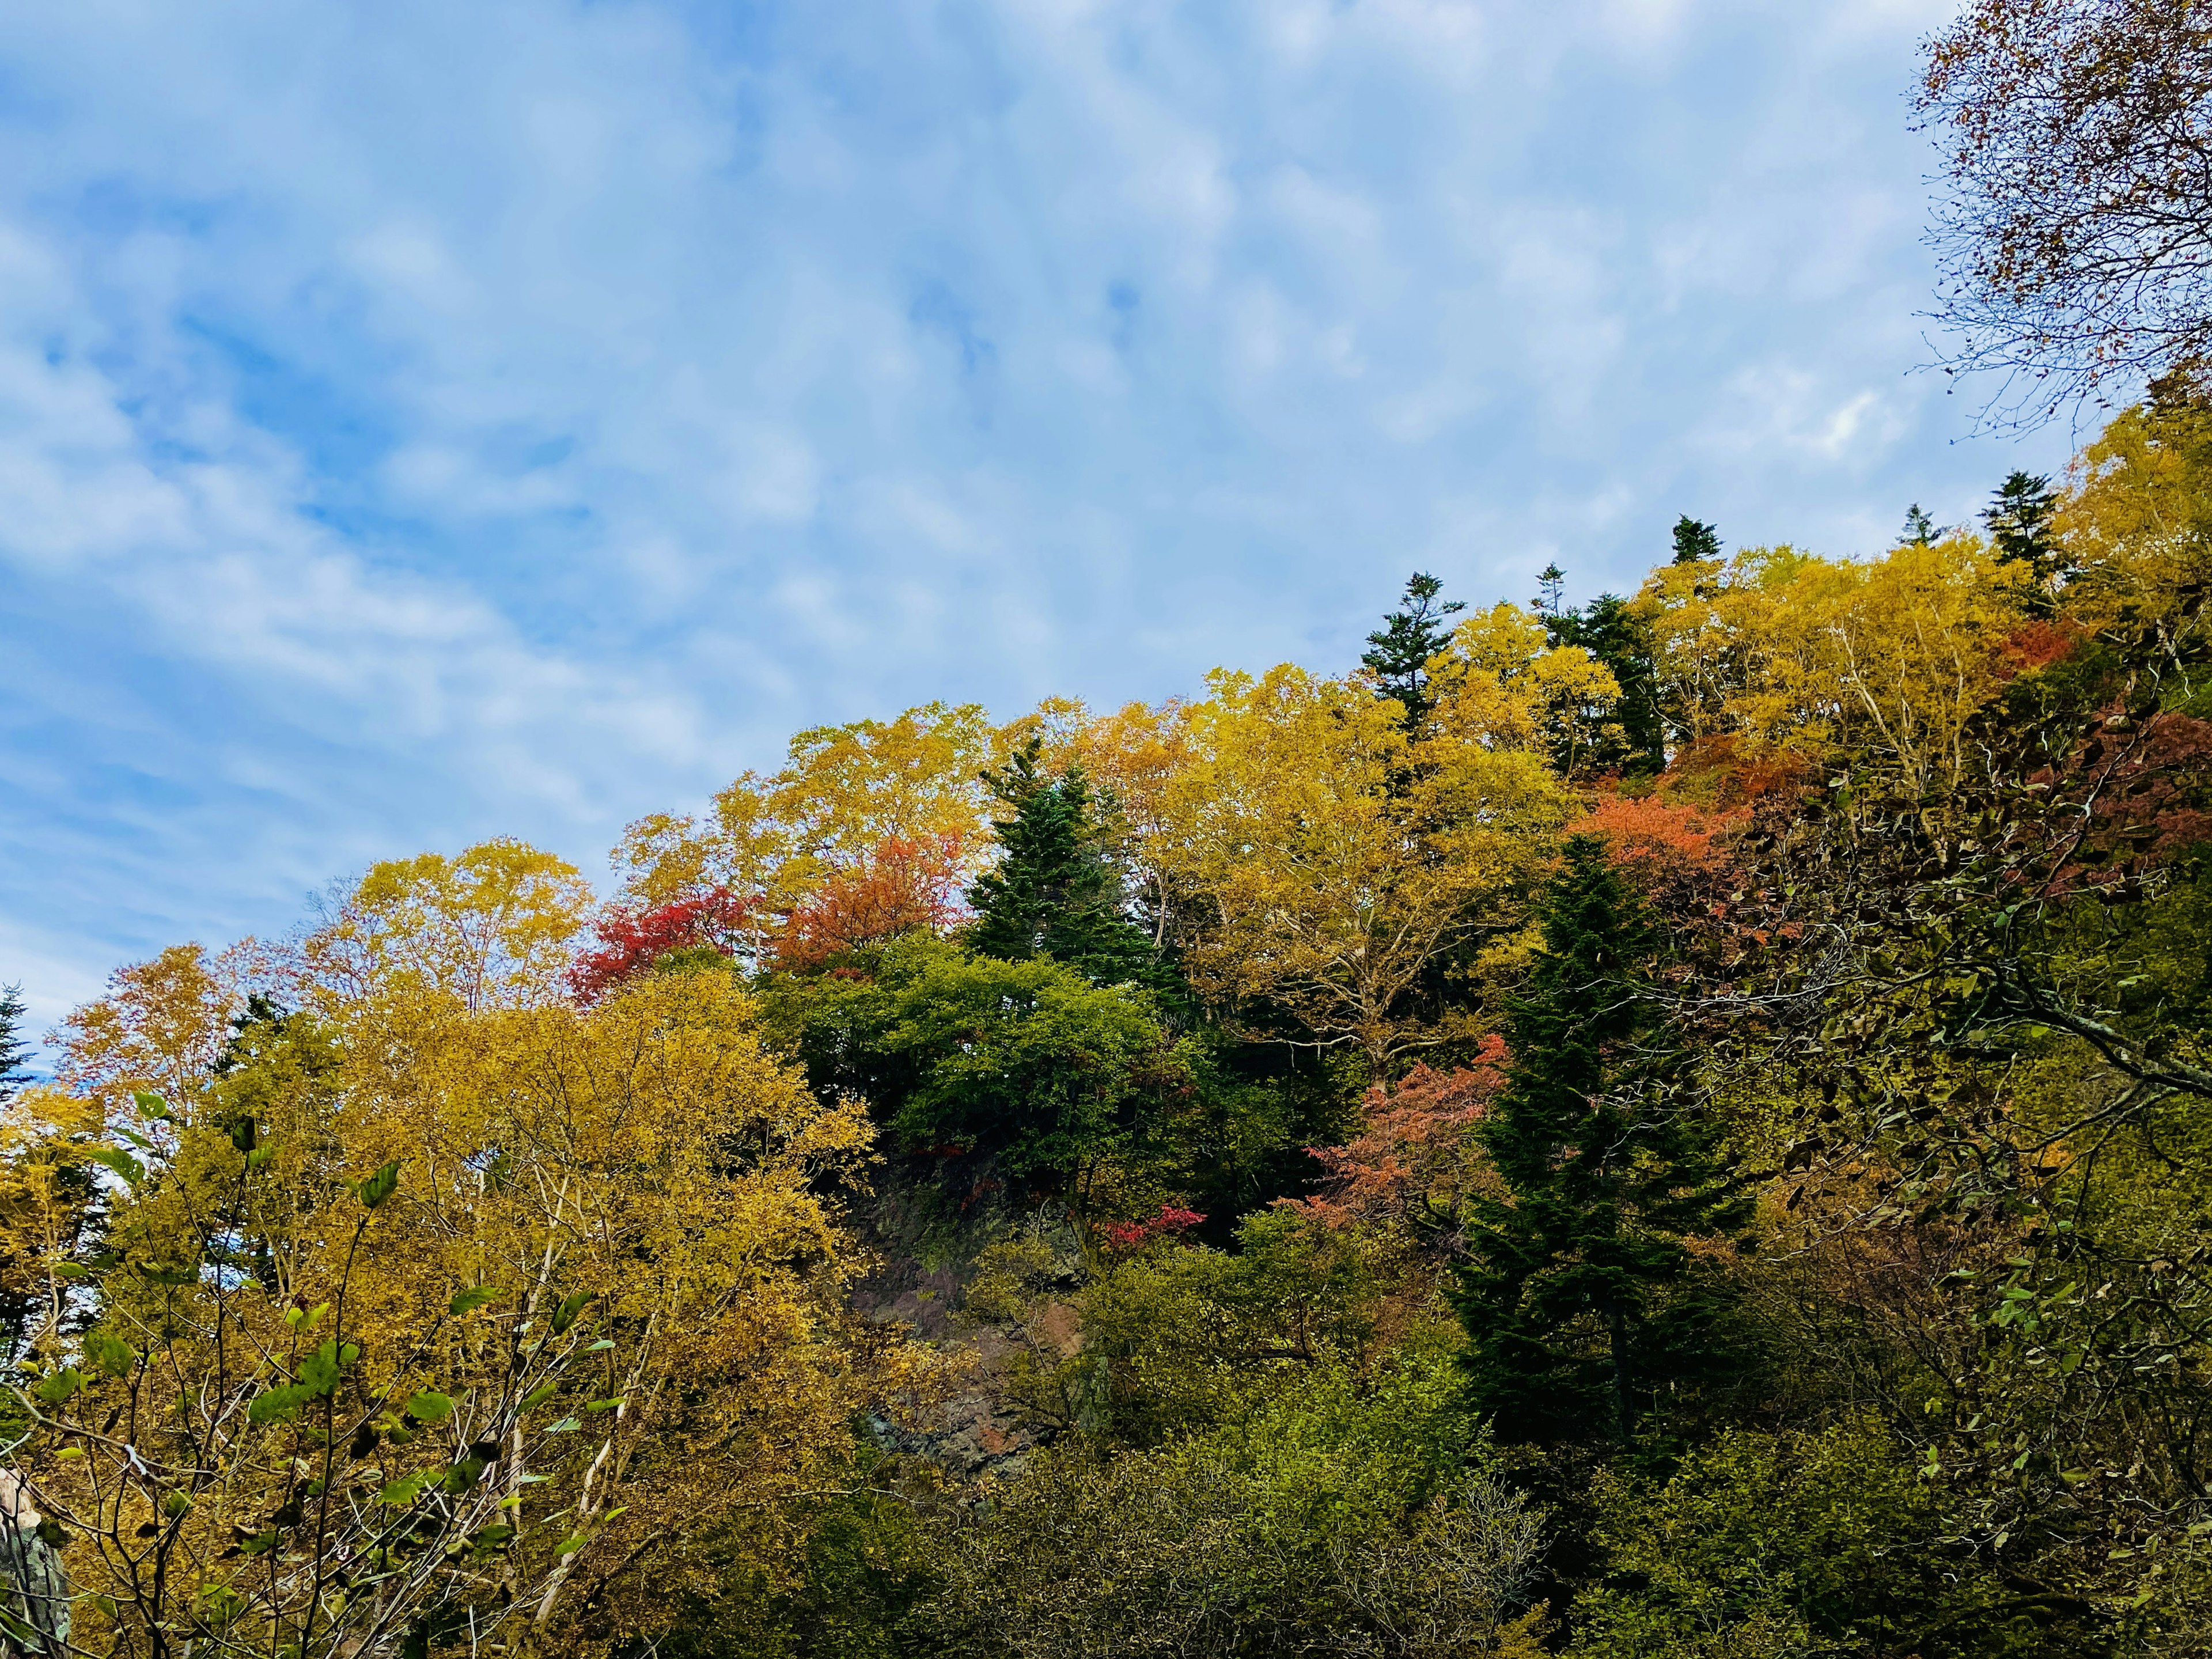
(113, 1157)
(56, 1389)
(260, 1542)
(379, 1186)
(566, 1425)
(565, 1314)
(151, 1105)
(401, 1492)
(277, 1405)
(430, 1407)
(601, 1345)
(465, 1475)
(538, 1396)
(109, 1352)
(573, 1542)
(605, 1405)
(468, 1301)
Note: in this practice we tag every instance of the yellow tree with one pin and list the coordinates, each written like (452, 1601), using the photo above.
(160, 1027)
(1331, 859)
(844, 790)
(465, 1347)
(489, 928)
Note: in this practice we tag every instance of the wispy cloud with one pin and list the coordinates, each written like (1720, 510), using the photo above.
(420, 421)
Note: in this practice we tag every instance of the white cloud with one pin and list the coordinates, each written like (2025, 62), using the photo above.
(421, 421)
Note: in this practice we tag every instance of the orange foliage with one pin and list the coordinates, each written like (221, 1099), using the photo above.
(1660, 846)
(904, 882)
(1417, 1155)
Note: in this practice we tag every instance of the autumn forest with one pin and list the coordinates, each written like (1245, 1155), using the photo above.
(1678, 1127)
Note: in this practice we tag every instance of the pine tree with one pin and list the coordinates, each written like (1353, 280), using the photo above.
(2020, 521)
(1582, 1299)
(1399, 650)
(1694, 541)
(1920, 529)
(14, 1050)
(1617, 637)
(1057, 892)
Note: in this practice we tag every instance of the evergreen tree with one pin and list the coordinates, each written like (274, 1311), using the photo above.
(1582, 1299)
(2019, 518)
(14, 1050)
(1057, 892)
(1551, 591)
(1920, 530)
(1620, 640)
(1398, 652)
(1695, 540)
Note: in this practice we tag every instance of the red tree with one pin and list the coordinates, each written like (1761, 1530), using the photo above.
(631, 941)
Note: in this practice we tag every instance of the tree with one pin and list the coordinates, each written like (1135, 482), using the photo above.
(1334, 859)
(1025, 1061)
(1582, 1297)
(1695, 541)
(2019, 517)
(1398, 653)
(1614, 633)
(2076, 244)
(406, 1358)
(1920, 530)
(490, 927)
(14, 1050)
(1055, 891)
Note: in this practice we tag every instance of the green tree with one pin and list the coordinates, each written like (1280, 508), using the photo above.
(1695, 541)
(1398, 652)
(1027, 1061)
(1582, 1297)
(14, 1051)
(1633, 738)
(1057, 891)
(2019, 520)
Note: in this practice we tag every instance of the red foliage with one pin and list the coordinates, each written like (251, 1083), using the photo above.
(2144, 783)
(904, 884)
(1169, 1222)
(2038, 644)
(1725, 771)
(1415, 1151)
(631, 941)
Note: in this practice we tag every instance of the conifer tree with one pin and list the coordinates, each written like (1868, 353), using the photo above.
(1398, 652)
(2019, 518)
(1057, 891)
(14, 1051)
(1695, 540)
(1581, 1297)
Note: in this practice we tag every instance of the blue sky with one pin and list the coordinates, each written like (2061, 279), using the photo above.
(425, 420)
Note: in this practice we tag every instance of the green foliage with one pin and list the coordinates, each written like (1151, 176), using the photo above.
(1398, 653)
(1582, 1302)
(1694, 541)
(1334, 1516)
(1796, 1543)
(1056, 891)
(1025, 1060)
(14, 1049)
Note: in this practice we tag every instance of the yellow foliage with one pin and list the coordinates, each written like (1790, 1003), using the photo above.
(1886, 661)
(1502, 685)
(1328, 859)
(842, 790)
(641, 1190)
(488, 929)
(160, 1027)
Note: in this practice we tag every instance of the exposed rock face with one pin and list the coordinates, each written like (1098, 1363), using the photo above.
(927, 1222)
